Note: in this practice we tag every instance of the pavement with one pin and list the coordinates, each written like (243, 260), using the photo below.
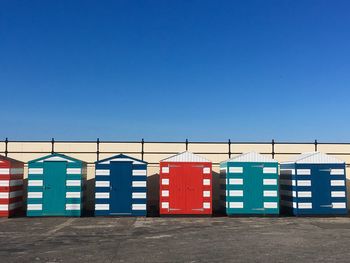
(180, 239)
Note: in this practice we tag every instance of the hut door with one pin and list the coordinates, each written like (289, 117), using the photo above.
(121, 188)
(54, 192)
(253, 186)
(177, 198)
(320, 183)
(194, 189)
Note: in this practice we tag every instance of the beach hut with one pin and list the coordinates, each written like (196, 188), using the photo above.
(185, 185)
(56, 185)
(121, 186)
(249, 185)
(11, 186)
(313, 184)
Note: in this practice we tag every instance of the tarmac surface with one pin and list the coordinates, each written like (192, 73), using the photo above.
(192, 239)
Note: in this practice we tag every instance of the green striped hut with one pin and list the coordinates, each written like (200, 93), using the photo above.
(249, 185)
(55, 186)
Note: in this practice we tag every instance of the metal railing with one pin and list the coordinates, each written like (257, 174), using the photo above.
(186, 144)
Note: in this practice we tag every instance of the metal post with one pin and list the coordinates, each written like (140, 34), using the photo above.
(273, 148)
(6, 146)
(142, 148)
(52, 146)
(229, 148)
(315, 145)
(98, 149)
(186, 144)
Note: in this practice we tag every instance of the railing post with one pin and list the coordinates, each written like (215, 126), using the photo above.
(98, 149)
(186, 144)
(142, 148)
(273, 148)
(6, 146)
(229, 148)
(315, 145)
(52, 146)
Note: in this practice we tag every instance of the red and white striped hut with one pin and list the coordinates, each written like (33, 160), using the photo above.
(11, 186)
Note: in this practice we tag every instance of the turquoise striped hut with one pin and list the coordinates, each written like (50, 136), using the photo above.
(56, 186)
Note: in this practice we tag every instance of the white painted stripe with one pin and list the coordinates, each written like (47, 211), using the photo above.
(235, 170)
(102, 183)
(270, 205)
(206, 181)
(165, 193)
(270, 193)
(139, 184)
(4, 183)
(338, 194)
(101, 206)
(14, 171)
(73, 182)
(139, 172)
(4, 195)
(35, 171)
(165, 205)
(72, 206)
(305, 205)
(337, 171)
(34, 207)
(338, 205)
(206, 170)
(287, 171)
(304, 194)
(73, 194)
(206, 205)
(165, 181)
(101, 195)
(223, 169)
(15, 205)
(270, 181)
(73, 170)
(35, 182)
(288, 193)
(16, 182)
(303, 182)
(303, 172)
(235, 181)
(337, 183)
(139, 195)
(139, 207)
(165, 170)
(235, 204)
(35, 195)
(288, 204)
(269, 170)
(206, 193)
(102, 172)
(4, 171)
(11, 171)
(236, 193)
(4, 207)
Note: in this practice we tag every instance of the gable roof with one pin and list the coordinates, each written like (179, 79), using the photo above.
(252, 157)
(315, 157)
(5, 159)
(56, 157)
(121, 158)
(186, 157)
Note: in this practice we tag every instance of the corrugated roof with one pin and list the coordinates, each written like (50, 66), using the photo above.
(315, 157)
(252, 157)
(121, 158)
(186, 157)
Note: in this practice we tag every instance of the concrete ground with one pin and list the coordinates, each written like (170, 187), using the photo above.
(216, 239)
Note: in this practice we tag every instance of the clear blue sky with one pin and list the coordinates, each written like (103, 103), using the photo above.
(170, 70)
